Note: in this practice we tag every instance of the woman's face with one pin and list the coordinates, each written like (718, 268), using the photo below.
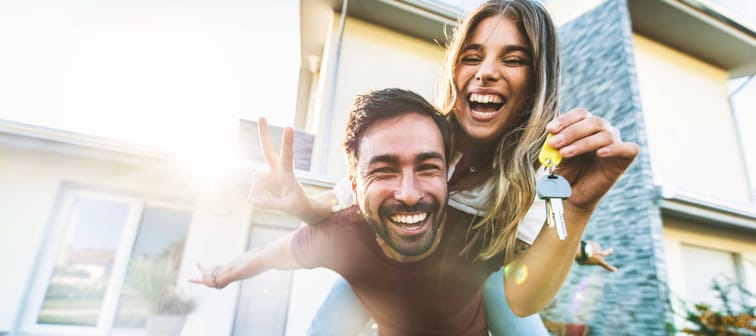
(493, 79)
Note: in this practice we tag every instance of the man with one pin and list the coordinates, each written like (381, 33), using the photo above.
(394, 248)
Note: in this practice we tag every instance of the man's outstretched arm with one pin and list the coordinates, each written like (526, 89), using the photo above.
(275, 255)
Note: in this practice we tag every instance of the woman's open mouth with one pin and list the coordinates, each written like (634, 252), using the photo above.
(485, 106)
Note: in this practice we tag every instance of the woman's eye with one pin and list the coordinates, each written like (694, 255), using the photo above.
(470, 59)
(515, 61)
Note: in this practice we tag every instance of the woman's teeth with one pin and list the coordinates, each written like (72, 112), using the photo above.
(485, 105)
(485, 99)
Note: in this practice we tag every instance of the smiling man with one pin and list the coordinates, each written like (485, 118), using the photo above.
(393, 247)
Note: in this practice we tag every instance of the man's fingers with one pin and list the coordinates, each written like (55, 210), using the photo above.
(607, 266)
(257, 184)
(196, 280)
(287, 145)
(267, 145)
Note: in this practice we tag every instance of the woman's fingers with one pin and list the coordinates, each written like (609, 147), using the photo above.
(578, 132)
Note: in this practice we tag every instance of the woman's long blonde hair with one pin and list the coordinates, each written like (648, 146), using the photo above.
(517, 151)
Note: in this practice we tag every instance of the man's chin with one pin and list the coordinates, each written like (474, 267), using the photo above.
(411, 245)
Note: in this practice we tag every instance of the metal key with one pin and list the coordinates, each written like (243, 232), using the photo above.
(553, 189)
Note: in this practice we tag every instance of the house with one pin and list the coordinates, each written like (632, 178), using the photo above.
(660, 70)
(78, 208)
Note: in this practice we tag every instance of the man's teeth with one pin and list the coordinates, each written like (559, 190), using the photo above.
(485, 98)
(409, 219)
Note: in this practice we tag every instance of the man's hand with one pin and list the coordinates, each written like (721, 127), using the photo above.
(208, 277)
(598, 256)
(278, 189)
(594, 156)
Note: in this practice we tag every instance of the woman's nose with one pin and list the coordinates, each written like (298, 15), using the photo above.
(488, 70)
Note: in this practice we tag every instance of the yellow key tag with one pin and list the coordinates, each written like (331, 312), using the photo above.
(549, 157)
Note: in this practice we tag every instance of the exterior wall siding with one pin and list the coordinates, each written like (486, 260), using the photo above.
(599, 74)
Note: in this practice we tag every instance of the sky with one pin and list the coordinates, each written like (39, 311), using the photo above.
(170, 75)
(176, 76)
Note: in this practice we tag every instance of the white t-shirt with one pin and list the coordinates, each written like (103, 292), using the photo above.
(470, 201)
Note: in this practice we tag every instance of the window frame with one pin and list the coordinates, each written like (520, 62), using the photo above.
(699, 232)
(53, 241)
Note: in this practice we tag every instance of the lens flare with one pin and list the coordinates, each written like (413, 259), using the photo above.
(520, 273)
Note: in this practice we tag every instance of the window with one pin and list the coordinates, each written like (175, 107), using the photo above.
(702, 267)
(86, 282)
(263, 303)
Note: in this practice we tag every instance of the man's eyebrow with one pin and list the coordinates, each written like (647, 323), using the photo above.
(507, 49)
(394, 159)
(385, 158)
(429, 156)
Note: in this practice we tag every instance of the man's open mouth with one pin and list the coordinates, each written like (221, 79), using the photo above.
(410, 222)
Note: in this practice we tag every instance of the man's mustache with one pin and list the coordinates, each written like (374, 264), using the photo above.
(421, 206)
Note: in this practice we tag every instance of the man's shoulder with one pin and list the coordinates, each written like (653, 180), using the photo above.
(346, 221)
(334, 242)
(346, 217)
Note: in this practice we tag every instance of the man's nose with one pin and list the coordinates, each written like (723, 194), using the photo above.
(407, 191)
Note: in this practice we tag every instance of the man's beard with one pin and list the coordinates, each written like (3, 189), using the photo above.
(404, 244)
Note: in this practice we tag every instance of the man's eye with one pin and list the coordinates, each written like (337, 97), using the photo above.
(430, 168)
(382, 170)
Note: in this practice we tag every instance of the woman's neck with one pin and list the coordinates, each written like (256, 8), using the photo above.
(475, 152)
(476, 164)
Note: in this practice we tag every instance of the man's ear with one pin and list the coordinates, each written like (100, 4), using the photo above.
(353, 183)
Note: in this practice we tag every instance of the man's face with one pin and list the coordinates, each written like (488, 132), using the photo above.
(400, 184)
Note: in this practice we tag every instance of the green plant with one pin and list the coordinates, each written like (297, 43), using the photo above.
(156, 281)
(725, 319)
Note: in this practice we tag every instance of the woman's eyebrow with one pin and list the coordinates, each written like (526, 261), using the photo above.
(508, 48)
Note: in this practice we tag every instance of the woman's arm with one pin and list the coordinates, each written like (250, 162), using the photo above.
(594, 158)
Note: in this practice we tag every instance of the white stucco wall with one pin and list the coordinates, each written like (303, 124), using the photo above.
(691, 133)
(31, 178)
(372, 57)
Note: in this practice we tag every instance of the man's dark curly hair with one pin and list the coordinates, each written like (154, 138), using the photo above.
(373, 106)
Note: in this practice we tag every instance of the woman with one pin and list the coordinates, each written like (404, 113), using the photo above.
(500, 93)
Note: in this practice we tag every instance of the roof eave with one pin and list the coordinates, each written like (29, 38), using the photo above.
(697, 30)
